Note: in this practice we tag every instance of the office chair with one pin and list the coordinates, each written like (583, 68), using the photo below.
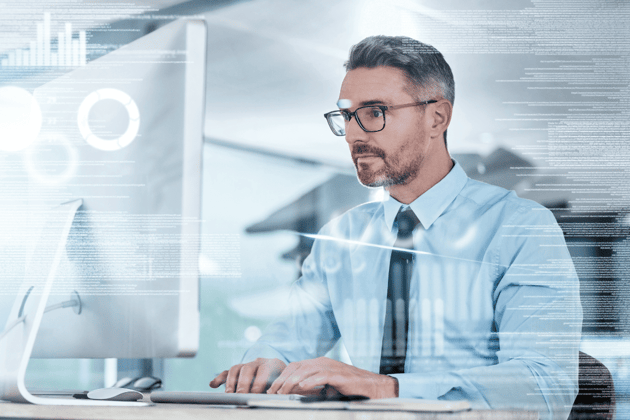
(596, 396)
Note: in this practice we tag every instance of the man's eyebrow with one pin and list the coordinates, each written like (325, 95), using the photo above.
(368, 103)
(373, 102)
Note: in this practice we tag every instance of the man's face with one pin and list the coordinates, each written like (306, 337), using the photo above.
(393, 156)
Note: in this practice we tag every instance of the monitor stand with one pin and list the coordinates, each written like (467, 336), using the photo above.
(17, 344)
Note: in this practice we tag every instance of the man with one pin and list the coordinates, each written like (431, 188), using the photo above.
(487, 309)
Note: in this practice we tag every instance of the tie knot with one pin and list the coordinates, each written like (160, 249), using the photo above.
(407, 222)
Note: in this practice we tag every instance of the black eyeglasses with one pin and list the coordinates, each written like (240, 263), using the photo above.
(370, 118)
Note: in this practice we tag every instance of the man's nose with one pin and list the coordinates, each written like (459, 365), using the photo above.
(354, 132)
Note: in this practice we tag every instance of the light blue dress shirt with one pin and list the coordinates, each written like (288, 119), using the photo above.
(495, 315)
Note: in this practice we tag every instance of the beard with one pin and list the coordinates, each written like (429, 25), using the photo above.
(393, 171)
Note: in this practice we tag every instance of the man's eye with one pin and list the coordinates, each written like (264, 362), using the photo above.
(376, 113)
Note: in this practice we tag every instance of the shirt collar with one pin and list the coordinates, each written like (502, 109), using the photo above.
(430, 205)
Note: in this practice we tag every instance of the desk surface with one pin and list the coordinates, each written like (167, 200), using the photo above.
(205, 412)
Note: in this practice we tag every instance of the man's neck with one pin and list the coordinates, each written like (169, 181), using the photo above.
(433, 171)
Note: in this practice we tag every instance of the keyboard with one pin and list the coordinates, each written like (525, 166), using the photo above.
(221, 398)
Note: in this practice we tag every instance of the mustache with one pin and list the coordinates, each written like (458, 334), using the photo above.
(359, 150)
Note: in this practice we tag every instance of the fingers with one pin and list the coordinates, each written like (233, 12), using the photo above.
(294, 385)
(288, 381)
(232, 378)
(306, 377)
(246, 377)
(219, 380)
(266, 374)
(249, 377)
(314, 382)
(275, 386)
(261, 381)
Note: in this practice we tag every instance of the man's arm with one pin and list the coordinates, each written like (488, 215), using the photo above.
(538, 323)
(538, 318)
(308, 331)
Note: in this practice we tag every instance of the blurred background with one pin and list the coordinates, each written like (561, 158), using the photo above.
(542, 94)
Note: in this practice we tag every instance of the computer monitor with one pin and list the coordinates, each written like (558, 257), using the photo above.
(124, 135)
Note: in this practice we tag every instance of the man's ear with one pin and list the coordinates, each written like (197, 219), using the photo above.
(442, 113)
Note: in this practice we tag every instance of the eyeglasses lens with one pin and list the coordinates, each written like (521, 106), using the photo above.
(372, 118)
(337, 123)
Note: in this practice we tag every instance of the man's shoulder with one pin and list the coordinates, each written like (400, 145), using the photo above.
(369, 208)
(356, 217)
(361, 213)
(491, 198)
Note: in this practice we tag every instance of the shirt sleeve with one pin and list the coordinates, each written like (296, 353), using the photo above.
(538, 320)
(309, 329)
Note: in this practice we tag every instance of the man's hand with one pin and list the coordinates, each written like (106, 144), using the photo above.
(254, 377)
(303, 377)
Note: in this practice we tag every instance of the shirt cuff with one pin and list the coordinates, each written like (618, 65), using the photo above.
(418, 385)
(262, 350)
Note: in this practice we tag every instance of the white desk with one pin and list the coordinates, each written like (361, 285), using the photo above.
(194, 412)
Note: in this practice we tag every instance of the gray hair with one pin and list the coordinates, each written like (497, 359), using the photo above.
(424, 66)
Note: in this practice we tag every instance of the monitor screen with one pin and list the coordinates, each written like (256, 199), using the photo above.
(123, 133)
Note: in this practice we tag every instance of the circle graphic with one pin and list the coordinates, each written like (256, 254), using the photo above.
(132, 110)
(252, 333)
(20, 119)
(60, 163)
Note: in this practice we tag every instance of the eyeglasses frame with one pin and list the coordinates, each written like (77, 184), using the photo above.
(347, 115)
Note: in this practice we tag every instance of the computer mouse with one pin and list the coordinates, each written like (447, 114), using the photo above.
(115, 394)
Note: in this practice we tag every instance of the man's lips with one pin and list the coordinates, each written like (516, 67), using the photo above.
(360, 151)
(366, 160)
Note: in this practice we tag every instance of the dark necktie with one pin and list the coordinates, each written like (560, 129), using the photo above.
(394, 348)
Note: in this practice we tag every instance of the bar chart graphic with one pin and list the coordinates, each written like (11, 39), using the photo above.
(70, 48)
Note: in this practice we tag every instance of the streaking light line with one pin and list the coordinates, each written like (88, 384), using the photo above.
(413, 251)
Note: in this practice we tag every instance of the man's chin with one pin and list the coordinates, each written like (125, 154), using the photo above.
(373, 180)
(379, 179)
